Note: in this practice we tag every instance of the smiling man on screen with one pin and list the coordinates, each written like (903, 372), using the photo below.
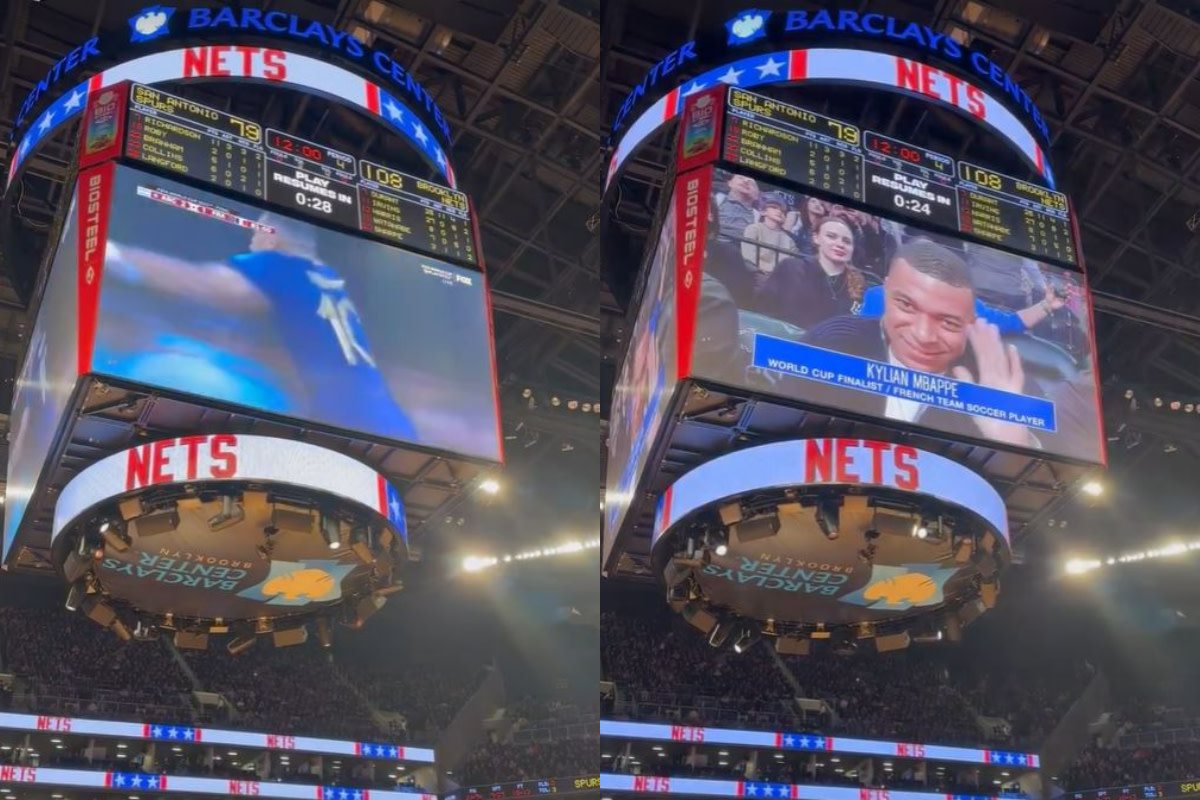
(929, 325)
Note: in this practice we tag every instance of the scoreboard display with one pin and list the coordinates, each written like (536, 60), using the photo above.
(896, 177)
(310, 179)
(790, 142)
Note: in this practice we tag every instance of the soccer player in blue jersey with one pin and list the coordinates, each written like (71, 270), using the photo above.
(279, 289)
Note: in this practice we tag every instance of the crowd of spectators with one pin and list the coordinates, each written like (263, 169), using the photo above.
(546, 737)
(295, 691)
(667, 671)
(74, 667)
(428, 695)
(1153, 735)
(67, 665)
(1100, 767)
(500, 762)
(1031, 703)
(904, 695)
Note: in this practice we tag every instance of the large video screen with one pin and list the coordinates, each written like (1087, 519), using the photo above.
(47, 377)
(215, 298)
(644, 383)
(867, 316)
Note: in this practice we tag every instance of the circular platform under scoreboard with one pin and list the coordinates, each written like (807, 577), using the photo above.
(212, 530)
(805, 537)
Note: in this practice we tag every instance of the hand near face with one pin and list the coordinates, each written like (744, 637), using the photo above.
(999, 368)
(1056, 300)
(999, 365)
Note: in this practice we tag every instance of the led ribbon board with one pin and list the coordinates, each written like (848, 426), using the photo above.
(530, 788)
(158, 26)
(809, 742)
(841, 65)
(173, 784)
(701, 787)
(1149, 791)
(810, 462)
(214, 62)
(210, 736)
(228, 457)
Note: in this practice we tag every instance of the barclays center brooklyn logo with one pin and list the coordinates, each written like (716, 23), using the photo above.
(150, 23)
(748, 26)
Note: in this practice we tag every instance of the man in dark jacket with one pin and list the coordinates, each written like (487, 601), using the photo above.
(928, 325)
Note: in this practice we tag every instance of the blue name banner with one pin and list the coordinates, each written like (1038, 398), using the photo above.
(888, 380)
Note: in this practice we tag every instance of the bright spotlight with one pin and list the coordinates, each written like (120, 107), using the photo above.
(491, 486)
(1077, 566)
(721, 549)
(1093, 488)
(920, 531)
(477, 563)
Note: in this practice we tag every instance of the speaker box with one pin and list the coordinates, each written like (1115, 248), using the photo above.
(676, 573)
(731, 514)
(292, 521)
(156, 524)
(290, 637)
(792, 646)
(101, 613)
(895, 641)
(762, 527)
(130, 508)
(187, 640)
(700, 619)
(76, 566)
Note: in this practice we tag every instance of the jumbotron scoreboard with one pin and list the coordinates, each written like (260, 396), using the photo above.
(836, 157)
(808, 273)
(239, 155)
(213, 273)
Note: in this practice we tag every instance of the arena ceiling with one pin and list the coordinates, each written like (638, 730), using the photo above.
(529, 85)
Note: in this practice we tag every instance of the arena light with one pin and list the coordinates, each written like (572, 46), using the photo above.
(490, 486)
(828, 518)
(747, 638)
(332, 531)
(75, 596)
(476, 563)
(479, 563)
(1077, 566)
(1093, 488)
